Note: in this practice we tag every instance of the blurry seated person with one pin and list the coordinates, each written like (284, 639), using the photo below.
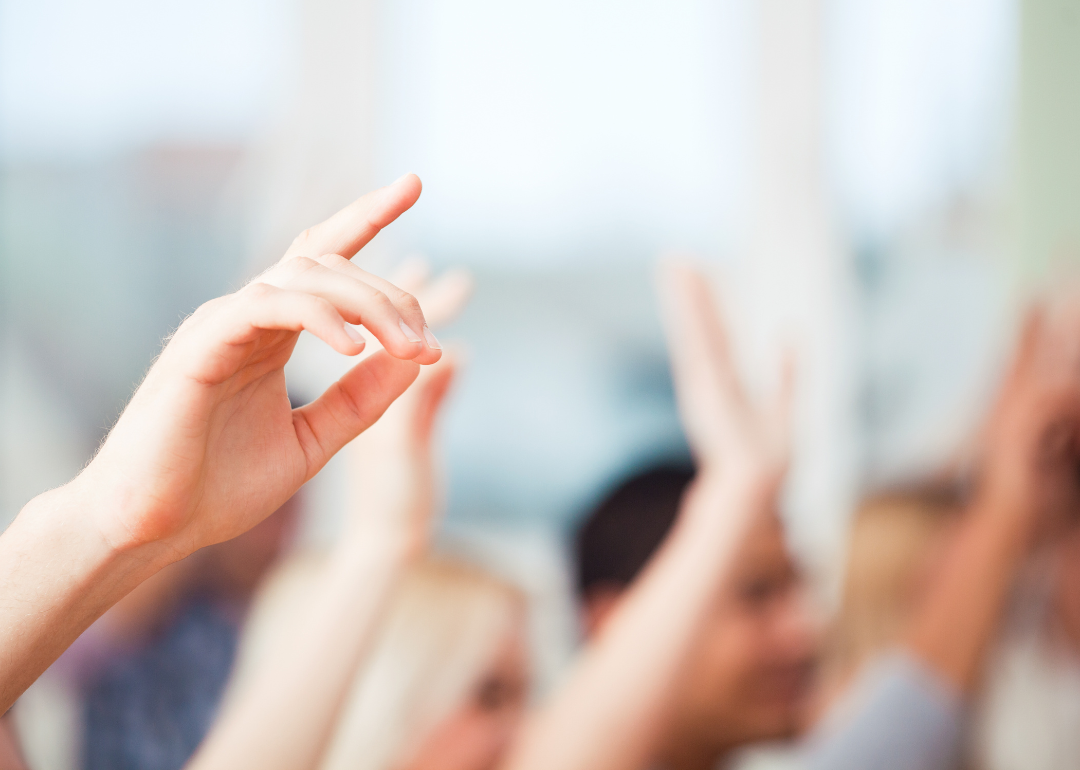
(444, 682)
(749, 670)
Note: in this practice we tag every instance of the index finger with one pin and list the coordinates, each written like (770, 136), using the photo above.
(349, 230)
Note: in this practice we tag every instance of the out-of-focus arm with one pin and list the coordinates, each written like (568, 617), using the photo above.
(287, 714)
(905, 710)
(284, 715)
(609, 714)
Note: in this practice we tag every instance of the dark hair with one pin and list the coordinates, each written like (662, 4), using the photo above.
(619, 536)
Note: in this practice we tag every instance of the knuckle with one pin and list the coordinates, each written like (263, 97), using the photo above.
(331, 260)
(406, 301)
(324, 307)
(304, 238)
(258, 291)
(302, 264)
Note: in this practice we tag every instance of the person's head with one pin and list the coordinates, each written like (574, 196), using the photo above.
(750, 668)
(895, 540)
(444, 685)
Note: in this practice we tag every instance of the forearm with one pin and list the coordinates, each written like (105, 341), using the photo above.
(958, 618)
(57, 576)
(286, 716)
(608, 714)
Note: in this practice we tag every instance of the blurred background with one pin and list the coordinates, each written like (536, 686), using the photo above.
(877, 184)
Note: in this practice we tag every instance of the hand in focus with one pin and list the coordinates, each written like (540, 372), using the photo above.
(209, 445)
(727, 431)
(392, 465)
(1032, 453)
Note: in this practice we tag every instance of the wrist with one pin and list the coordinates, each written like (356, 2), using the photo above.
(91, 514)
(724, 498)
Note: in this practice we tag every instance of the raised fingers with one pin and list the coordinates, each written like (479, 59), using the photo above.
(349, 230)
(392, 318)
(235, 322)
(413, 324)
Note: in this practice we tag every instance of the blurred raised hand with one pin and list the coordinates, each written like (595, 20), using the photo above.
(610, 711)
(391, 471)
(442, 297)
(1026, 494)
(728, 431)
(1031, 460)
(392, 468)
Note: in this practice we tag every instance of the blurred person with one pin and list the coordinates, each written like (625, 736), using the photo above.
(153, 668)
(748, 671)
(209, 445)
(895, 545)
(443, 684)
(1028, 712)
(904, 709)
(375, 654)
(622, 705)
(1024, 711)
(946, 591)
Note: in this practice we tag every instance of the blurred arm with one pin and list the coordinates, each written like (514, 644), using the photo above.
(1027, 492)
(609, 714)
(286, 715)
(904, 712)
(285, 718)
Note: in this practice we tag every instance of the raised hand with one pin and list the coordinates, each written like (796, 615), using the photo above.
(209, 445)
(726, 429)
(392, 476)
(1027, 489)
(1031, 459)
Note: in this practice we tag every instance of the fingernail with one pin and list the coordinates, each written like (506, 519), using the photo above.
(410, 335)
(431, 340)
(354, 335)
(402, 177)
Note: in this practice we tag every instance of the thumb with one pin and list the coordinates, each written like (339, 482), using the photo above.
(350, 406)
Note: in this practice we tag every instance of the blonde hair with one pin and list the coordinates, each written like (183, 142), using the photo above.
(437, 636)
(891, 538)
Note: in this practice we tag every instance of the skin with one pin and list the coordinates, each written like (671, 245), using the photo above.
(1027, 495)
(209, 445)
(621, 695)
(478, 733)
(387, 527)
(748, 672)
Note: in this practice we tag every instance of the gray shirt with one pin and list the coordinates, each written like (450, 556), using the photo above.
(899, 715)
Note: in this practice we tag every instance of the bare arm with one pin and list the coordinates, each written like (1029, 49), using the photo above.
(608, 714)
(1027, 489)
(208, 445)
